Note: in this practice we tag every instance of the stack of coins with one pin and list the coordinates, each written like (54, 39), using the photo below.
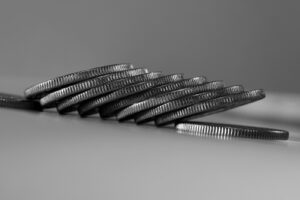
(127, 92)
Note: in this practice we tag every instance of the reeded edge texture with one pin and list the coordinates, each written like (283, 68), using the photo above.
(113, 108)
(50, 99)
(210, 107)
(121, 90)
(229, 130)
(41, 89)
(183, 102)
(71, 104)
(91, 107)
(136, 108)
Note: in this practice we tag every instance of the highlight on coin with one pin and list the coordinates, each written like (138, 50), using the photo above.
(127, 92)
(230, 130)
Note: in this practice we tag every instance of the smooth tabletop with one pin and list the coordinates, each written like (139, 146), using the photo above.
(47, 156)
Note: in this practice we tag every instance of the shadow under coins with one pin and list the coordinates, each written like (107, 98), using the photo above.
(128, 125)
(170, 129)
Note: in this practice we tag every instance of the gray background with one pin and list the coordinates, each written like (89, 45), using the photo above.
(255, 43)
(47, 156)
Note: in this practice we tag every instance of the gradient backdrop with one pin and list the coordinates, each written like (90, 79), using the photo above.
(255, 43)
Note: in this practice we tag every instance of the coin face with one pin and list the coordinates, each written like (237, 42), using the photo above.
(41, 89)
(137, 108)
(229, 130)
(113, 108)
(71, 104)
(51, 99)
(210, 107)
(18, 102)
(91, 107)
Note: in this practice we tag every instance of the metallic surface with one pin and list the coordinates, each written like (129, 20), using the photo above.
(113, 108)
(90, 107)
(136, 108)
(50, 99)
(18, 102)
(177, 104)
(210, 107)
(71, 104)
(43, 88)
(229, 130)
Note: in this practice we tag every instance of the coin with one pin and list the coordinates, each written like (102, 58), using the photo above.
(41, 89)
(229, 130)
(235, 89)
(136, 108)
(71, 104)
(18, 102)
(50, 99)
(177, 104)
(90, 107)
(210, 107)
(111, 109)
(194, 81)
(240, 99)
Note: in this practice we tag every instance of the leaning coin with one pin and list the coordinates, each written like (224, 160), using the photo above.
(92, 106)
(71, 104)
(210, 107)
(113, 108)
(18, 102)
(136, 108)
(50, 99)
(228, 130)
(41, 89)
(241, 99)
(177, 104)
(235, 89)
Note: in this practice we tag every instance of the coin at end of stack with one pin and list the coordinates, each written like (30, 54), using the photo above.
(18, 102)
(229, 130)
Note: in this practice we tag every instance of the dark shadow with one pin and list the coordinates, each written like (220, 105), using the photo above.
(169, 128)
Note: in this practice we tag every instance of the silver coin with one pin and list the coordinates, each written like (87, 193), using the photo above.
(136, 108)
(235, 89)
(41, 89)
(18, 102)
(50, 99)
(92, 106)
(111, 109)
(71, 104)
(228, 130)
(177, 104)
(210, 107)
(195, 81)
(241, 99)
